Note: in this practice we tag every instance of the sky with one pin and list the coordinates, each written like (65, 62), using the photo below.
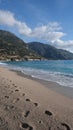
(47, 21)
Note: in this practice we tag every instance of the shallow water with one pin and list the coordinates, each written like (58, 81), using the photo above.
(60, 71)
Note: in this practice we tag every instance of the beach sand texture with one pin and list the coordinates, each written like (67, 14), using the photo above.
(26, 104)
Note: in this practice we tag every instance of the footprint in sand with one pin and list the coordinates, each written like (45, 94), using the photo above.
(16, 90)
(26, 126)
(23, 94)
(27, 113)
(7, 97)
(17, 99)
(28, 100)
(36, 104)
(63, 126)
(40, 122)
(15, 86)
(30, 128)
(48, 113)
(66, 126)
(49, 128)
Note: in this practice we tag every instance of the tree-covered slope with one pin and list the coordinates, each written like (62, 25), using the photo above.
(10, 46)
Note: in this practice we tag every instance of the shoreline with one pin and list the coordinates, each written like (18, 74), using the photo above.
(64, 90)
(28, 103)
(60, 78)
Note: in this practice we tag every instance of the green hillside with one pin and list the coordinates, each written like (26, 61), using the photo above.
(13, 47)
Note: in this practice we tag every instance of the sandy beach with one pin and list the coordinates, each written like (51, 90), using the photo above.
(30, 104)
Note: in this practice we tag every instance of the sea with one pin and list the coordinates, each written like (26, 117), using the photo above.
(59, 71)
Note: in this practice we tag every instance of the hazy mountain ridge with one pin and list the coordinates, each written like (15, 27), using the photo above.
(13, 47)
(49, 51)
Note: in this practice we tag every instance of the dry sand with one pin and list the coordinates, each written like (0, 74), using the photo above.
(26, 104)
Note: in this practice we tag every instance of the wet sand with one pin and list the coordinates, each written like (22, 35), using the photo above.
(28, 104)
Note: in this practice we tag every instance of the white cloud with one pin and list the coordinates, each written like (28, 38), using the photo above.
(67, 45)
(23, 28)
(49, 32)
(7, 18)
(52, 32)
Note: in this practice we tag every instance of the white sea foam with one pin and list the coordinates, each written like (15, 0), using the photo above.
(62, 79)
(58, 77)
(2, 63)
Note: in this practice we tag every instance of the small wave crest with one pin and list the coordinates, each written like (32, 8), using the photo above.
(58, 77)
(2, 63)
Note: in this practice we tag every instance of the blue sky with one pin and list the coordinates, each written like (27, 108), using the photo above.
(48, 21)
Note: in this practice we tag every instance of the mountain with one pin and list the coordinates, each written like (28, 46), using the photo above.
(50, 52)
(12, 47)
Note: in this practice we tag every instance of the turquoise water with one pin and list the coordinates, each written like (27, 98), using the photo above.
(60, 71)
